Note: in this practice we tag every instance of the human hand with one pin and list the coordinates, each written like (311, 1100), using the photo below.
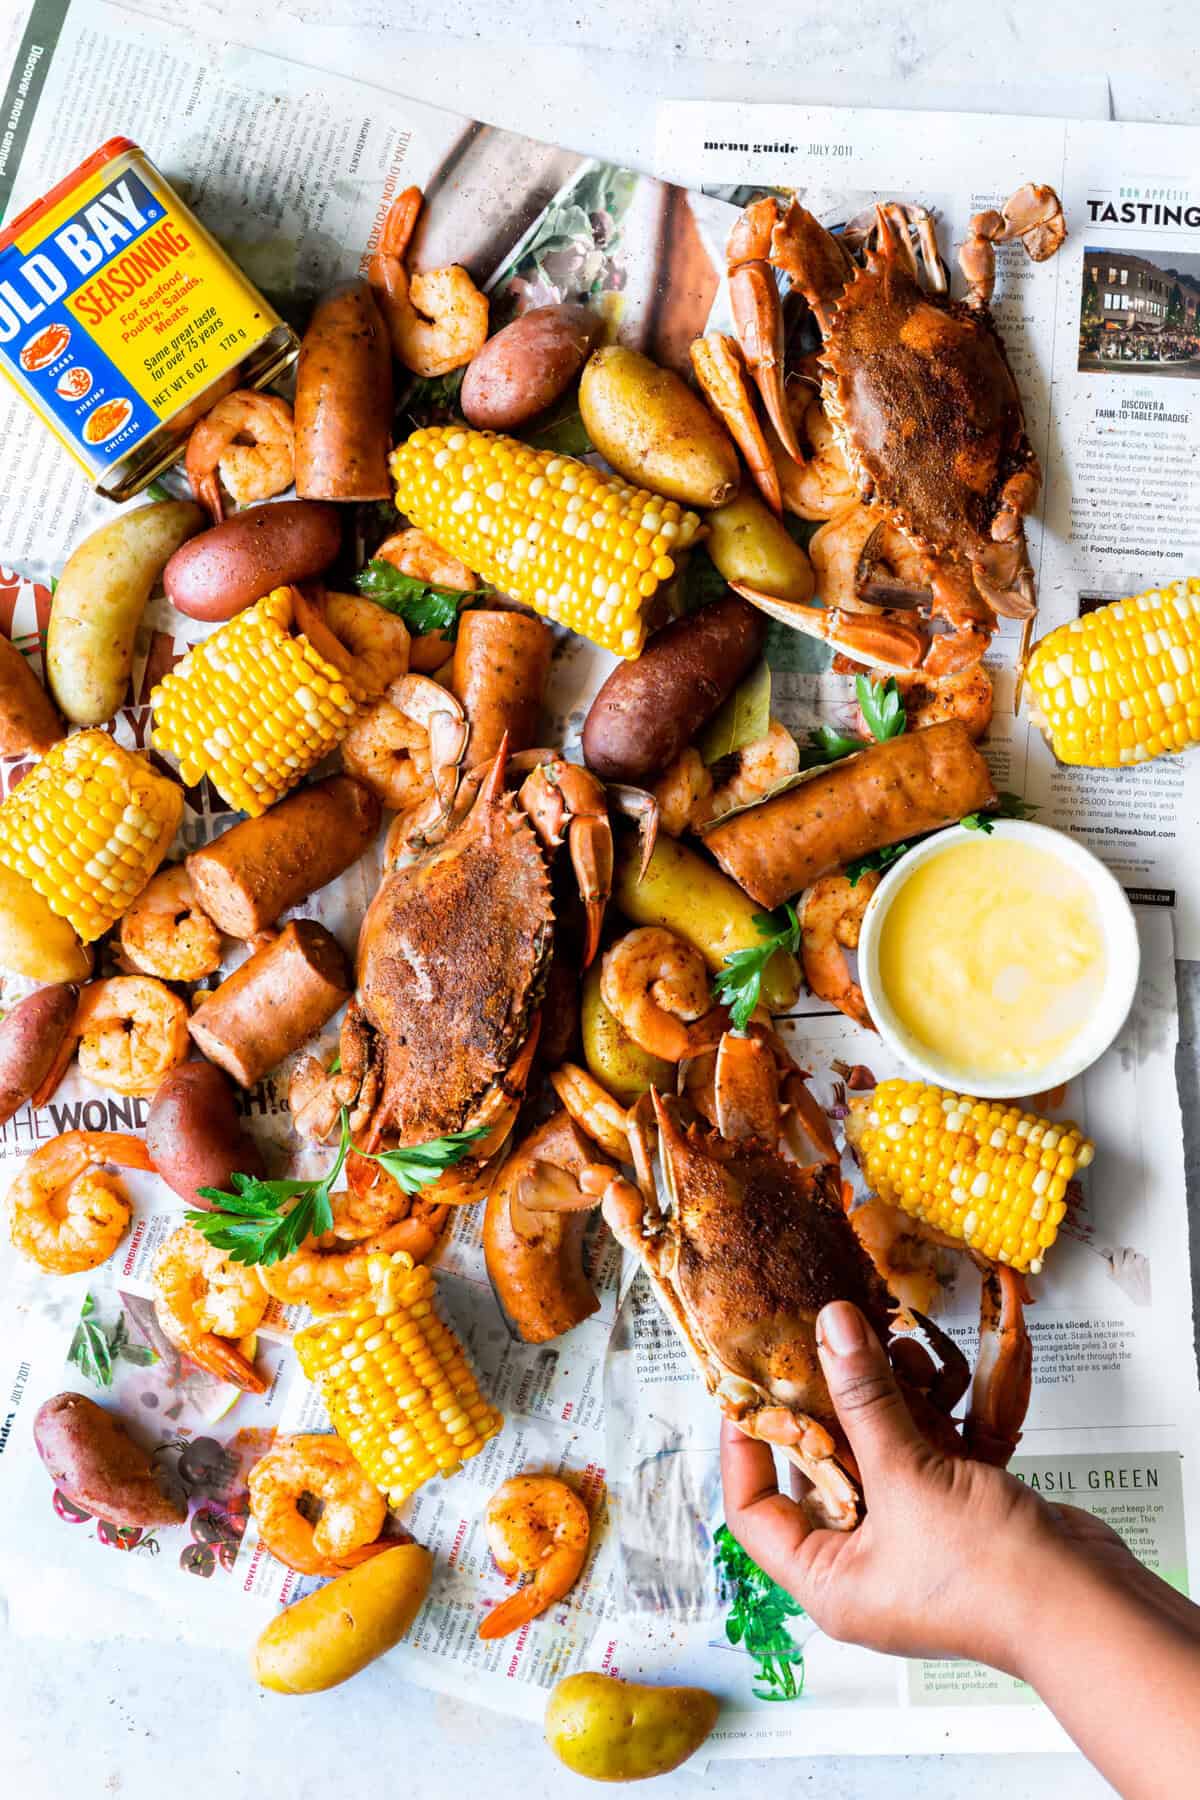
(953, 1558)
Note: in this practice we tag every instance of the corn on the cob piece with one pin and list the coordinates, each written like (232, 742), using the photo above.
(88, 827)
(254, 706)
(1121, 684)
(396, 1382)
(981, 1171)
(583, 548)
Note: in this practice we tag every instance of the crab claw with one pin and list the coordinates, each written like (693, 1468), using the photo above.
(1003, 1370)
(880, 641)
(566, 803)
(758, 317)
(718, 366)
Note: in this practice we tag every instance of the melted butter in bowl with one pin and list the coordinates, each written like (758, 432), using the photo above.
(1003, 963)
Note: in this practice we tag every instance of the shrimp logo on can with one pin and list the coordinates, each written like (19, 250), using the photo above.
(73, 383)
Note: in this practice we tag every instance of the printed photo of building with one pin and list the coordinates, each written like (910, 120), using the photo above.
(1139, 314)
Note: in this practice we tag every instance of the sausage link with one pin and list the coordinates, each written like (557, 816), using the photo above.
(273, 1003)
(501, 661)
(257, 869)
(343, 411)
(912, 784)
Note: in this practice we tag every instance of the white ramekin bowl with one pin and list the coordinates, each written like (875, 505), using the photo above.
(1121, 944)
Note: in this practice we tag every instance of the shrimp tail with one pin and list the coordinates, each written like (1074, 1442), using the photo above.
(217, 1356)
(511, 1614)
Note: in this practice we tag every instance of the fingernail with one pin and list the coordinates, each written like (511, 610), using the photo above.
(840, 1328)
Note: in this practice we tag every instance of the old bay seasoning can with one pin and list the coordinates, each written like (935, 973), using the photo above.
(122, 320)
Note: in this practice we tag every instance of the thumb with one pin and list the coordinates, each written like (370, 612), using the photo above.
(863, 1388)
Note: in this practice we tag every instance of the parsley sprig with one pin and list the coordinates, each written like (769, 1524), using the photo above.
(757, 1618)
(1008, 806)
(421, 604)
(881, 707)
(738, 982)
(264, 1221)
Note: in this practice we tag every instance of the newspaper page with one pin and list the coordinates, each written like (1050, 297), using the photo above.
(1104, 341)
(294, 171)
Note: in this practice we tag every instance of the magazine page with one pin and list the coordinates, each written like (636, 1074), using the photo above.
(1104, 341)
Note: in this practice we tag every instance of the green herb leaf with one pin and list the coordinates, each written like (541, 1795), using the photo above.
(874, 859)
(433, 399)
(414, 1166)
(1008, 806)
(825, 745)
(881, 707)
(757, 1618)
(421, 605)
(251, 1223)
(90, 1351)
(742, 719)
(738, 983)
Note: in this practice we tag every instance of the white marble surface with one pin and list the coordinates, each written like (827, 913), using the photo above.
(141, 1719)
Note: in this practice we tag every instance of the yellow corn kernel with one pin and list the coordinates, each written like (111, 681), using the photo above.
(1119, 686)
(88, 827)
(254, 707)
(935, 1154)
(396, 1382)
(582, 548)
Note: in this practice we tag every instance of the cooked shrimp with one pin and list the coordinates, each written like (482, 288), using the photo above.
(132, 1032)
(203, 1300)
(436, 320)
(414, 553)
(593, 1109)
(831, 919)
(966, 696)
(682, 792)
(407, 748)
(363, 640)
(329, 1273)
(167, 933)
(759, 767)
(535, 1525)
(657, 985)
(821, 485)
(352, 1508)
(66, 1213)
(248, 440)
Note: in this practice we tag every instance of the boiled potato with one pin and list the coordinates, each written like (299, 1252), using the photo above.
(689, 896)
(618, 1064)
(33, 940)
(91, 1458)
(99, 602)
(649, 425)
(329, 1636)
(749, 545)
(612, 1730)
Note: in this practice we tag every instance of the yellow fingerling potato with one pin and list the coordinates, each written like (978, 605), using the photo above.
(329, 1636)
(612, 1730)
(99, 602)
(33, 940)
(748, 544)
(689, 896)
(650, 426)
(618, 1064)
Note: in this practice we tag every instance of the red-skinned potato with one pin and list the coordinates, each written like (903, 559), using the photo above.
(525, 368)
(649, 710)
(194, 1135)
(228, 568)
(33, 1038)
(91, 1458)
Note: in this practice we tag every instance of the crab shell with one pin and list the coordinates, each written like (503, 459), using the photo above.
(929, 417)
(753, 1247)
(452, 957)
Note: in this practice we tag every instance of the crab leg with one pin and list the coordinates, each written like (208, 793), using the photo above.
(719, 369)
(566, 803)
(746, 1088)
(1003, 1370)
(1033, 215)
(879, 641)
(758, 318)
